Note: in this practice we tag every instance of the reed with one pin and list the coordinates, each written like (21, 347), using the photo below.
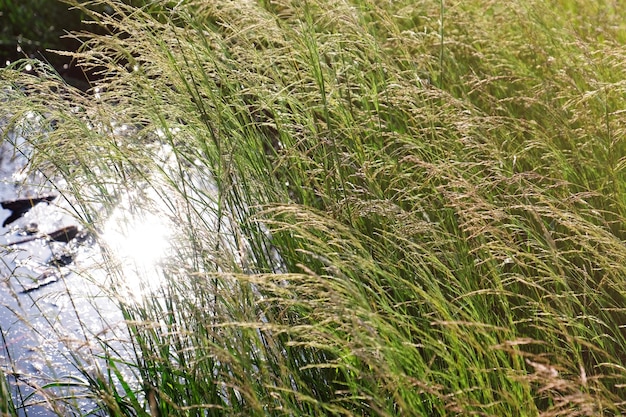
(376, 213)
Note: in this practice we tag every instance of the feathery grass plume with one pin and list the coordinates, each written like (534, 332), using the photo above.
(376, 213)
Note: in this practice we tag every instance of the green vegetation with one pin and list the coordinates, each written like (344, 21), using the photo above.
(445, 185)
(36, 26)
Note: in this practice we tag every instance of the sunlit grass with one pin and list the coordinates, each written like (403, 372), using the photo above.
(379, 208)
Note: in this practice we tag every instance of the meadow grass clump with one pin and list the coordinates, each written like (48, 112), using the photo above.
(382, 208)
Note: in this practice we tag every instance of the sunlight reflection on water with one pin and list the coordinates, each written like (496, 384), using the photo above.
(52, 329)
(139, 240)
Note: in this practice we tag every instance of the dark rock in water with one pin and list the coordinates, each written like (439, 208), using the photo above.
(20, 207)
(64, 234)
(61, 260)
(47, 278)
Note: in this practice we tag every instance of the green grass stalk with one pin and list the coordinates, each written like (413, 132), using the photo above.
(352, 238)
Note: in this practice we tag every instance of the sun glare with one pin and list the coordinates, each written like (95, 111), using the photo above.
(139, 241)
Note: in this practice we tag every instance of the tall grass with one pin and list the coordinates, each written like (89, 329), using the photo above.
(383, 208)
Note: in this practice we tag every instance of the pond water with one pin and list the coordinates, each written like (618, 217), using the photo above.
(54, 298)
(58, 304)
